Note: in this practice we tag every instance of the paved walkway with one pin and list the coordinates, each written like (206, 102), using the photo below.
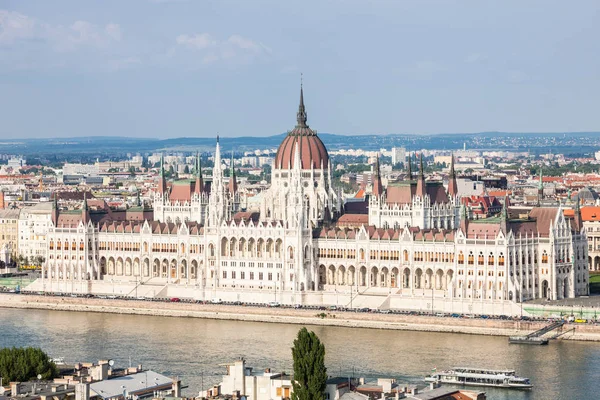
(290, 315)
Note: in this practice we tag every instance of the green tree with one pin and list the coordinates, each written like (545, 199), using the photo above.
(132, 171)
(310, 374)
(186, 170)
(24, 363)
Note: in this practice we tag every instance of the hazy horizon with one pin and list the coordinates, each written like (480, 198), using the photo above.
(185, 69)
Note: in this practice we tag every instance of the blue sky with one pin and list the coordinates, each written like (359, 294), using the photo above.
(173, 68)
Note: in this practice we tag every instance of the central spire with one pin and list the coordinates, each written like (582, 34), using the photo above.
(301, 116)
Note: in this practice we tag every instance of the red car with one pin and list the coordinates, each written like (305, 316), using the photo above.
(175, 299)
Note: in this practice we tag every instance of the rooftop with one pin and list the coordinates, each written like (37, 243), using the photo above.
(140, 382)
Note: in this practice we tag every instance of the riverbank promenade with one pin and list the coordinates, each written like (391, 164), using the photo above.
(431, 323)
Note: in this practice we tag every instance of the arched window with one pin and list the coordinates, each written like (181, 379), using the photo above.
(545, 257)
(480, 259)
(471, 258)
(501, 259)
(461, 258)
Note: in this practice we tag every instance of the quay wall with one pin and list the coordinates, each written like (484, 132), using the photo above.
(585, 332)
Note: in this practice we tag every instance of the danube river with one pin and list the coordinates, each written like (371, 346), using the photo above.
(193, 349)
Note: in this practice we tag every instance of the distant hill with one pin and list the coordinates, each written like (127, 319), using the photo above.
(568, 142)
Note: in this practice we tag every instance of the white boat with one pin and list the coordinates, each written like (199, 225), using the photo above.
(480, 377)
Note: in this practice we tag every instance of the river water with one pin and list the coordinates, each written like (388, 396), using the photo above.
(193, 349)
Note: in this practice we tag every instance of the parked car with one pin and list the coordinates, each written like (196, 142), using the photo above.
(175, 299)
(274, 304)
(216, 301)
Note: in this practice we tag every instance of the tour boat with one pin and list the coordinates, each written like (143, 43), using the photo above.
(480, 377)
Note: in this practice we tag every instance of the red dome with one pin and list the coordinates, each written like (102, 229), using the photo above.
(313, 154)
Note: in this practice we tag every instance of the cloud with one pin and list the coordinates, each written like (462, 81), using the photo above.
(236, 47)
(247, 44)
(113, 31)
(15, 26)
(198, 41)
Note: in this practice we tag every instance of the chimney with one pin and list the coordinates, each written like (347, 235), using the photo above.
(14, 389)
(176, 387)
(82, 391)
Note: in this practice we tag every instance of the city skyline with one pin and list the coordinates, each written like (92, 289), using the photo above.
(169, 69)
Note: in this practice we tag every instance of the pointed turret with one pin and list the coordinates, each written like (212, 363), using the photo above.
(421, 180)
(377, 186)
(504, 215)
(85, 214)
(217, 166)
(138, 200)
(578, 222)
(55, 209)
(199, 187)
(232, 180)
(409, 168)
(162, 182)
(452, 186)
(540, 194)
(464, 219)
(301, 117)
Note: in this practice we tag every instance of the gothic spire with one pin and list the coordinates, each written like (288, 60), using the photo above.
(377, 185)
(199, 188)
(162, 182)
(504, 214)
(55, 209)
(301, 115)
(162, 165)
(232, 180)
(421, 190)
(452, 186)
(577, 214)
(84, 209)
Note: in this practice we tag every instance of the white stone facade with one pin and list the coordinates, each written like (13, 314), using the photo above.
(421, 255)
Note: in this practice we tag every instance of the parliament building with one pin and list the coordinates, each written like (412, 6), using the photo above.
(415, 247)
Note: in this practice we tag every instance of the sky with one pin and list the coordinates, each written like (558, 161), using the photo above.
(198, 68)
